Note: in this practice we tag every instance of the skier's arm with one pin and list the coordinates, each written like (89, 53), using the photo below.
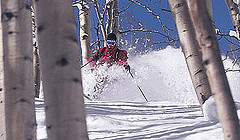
(93, 59)
(122, 58)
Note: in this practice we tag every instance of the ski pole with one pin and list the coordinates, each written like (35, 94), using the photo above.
(92, 60)
(86, 64)
(87, 97)
(133, 78)
(139, 88)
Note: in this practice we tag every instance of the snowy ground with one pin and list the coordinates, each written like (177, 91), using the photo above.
(141, 121)
(153, 120)
(118, 110)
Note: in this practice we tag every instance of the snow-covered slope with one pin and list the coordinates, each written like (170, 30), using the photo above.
(143, 121)
(118, 110)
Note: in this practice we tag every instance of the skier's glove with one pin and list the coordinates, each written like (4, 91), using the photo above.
(127, 67)
(96, 57)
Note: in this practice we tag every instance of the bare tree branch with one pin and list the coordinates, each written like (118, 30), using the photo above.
(166, 10)
(222, 34)
(100, 18)
(126, 8)
(106, 7)
(146, 30)
(164, 27)
(162, 42)
(228, 70)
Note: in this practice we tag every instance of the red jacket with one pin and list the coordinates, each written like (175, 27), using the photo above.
(113, 56)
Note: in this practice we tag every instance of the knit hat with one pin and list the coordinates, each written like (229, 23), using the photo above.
(111, 36)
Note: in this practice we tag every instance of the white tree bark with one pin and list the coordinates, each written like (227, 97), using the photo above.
(209, 8)
(216, 74)
(18, 70)
(233, 10)
(61, 72)
(112, 24)
(190, 48)
(109, 6)
(84, 29)
(100, 19)
(115, 23)
(2, 100)
(36, 69)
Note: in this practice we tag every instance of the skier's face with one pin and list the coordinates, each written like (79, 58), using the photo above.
(111, 44)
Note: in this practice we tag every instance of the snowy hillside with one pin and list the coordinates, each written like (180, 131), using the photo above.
(118, 110)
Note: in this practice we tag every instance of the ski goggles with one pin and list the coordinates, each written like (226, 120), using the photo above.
(111, 42)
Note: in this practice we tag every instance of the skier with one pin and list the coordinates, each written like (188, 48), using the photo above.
(110, 54)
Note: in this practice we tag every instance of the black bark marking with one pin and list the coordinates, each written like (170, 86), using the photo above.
(46, 108)
(191, 55)
(199, 71)
(11, 32)
(76, 80)
(208, 42)
(34, 125)
(7, 16)
(209, 37)
(71, 38)
(49, 127)
(14, 88)
(199, 85)
(85, 37)
(203, 98)
(25, 58)
(205, 62)
(27, 7)
(179, 5)
(36, 0)
(0, 89)
(62, 62)
(77, 119)
(22, 100)
(1, 101)
(40, 28)
(185, 30)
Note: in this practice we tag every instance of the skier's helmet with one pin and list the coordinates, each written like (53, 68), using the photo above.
(111, 36)
(111, 40)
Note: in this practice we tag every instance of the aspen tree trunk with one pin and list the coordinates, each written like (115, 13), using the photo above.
(36, 69)
(2, 100)
(100, 19)
(238, 3)
(234, 14)
(37, 77)
(209, 8)
(84, 29)
(190, 48)
(109, 6)
(213, 64)
(61, 72)
(18, 70)
(115, 23)
(112, 25)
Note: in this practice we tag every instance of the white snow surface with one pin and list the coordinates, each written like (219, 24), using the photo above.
(118, 110)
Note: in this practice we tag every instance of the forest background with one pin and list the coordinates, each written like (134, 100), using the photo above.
(133, 16)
